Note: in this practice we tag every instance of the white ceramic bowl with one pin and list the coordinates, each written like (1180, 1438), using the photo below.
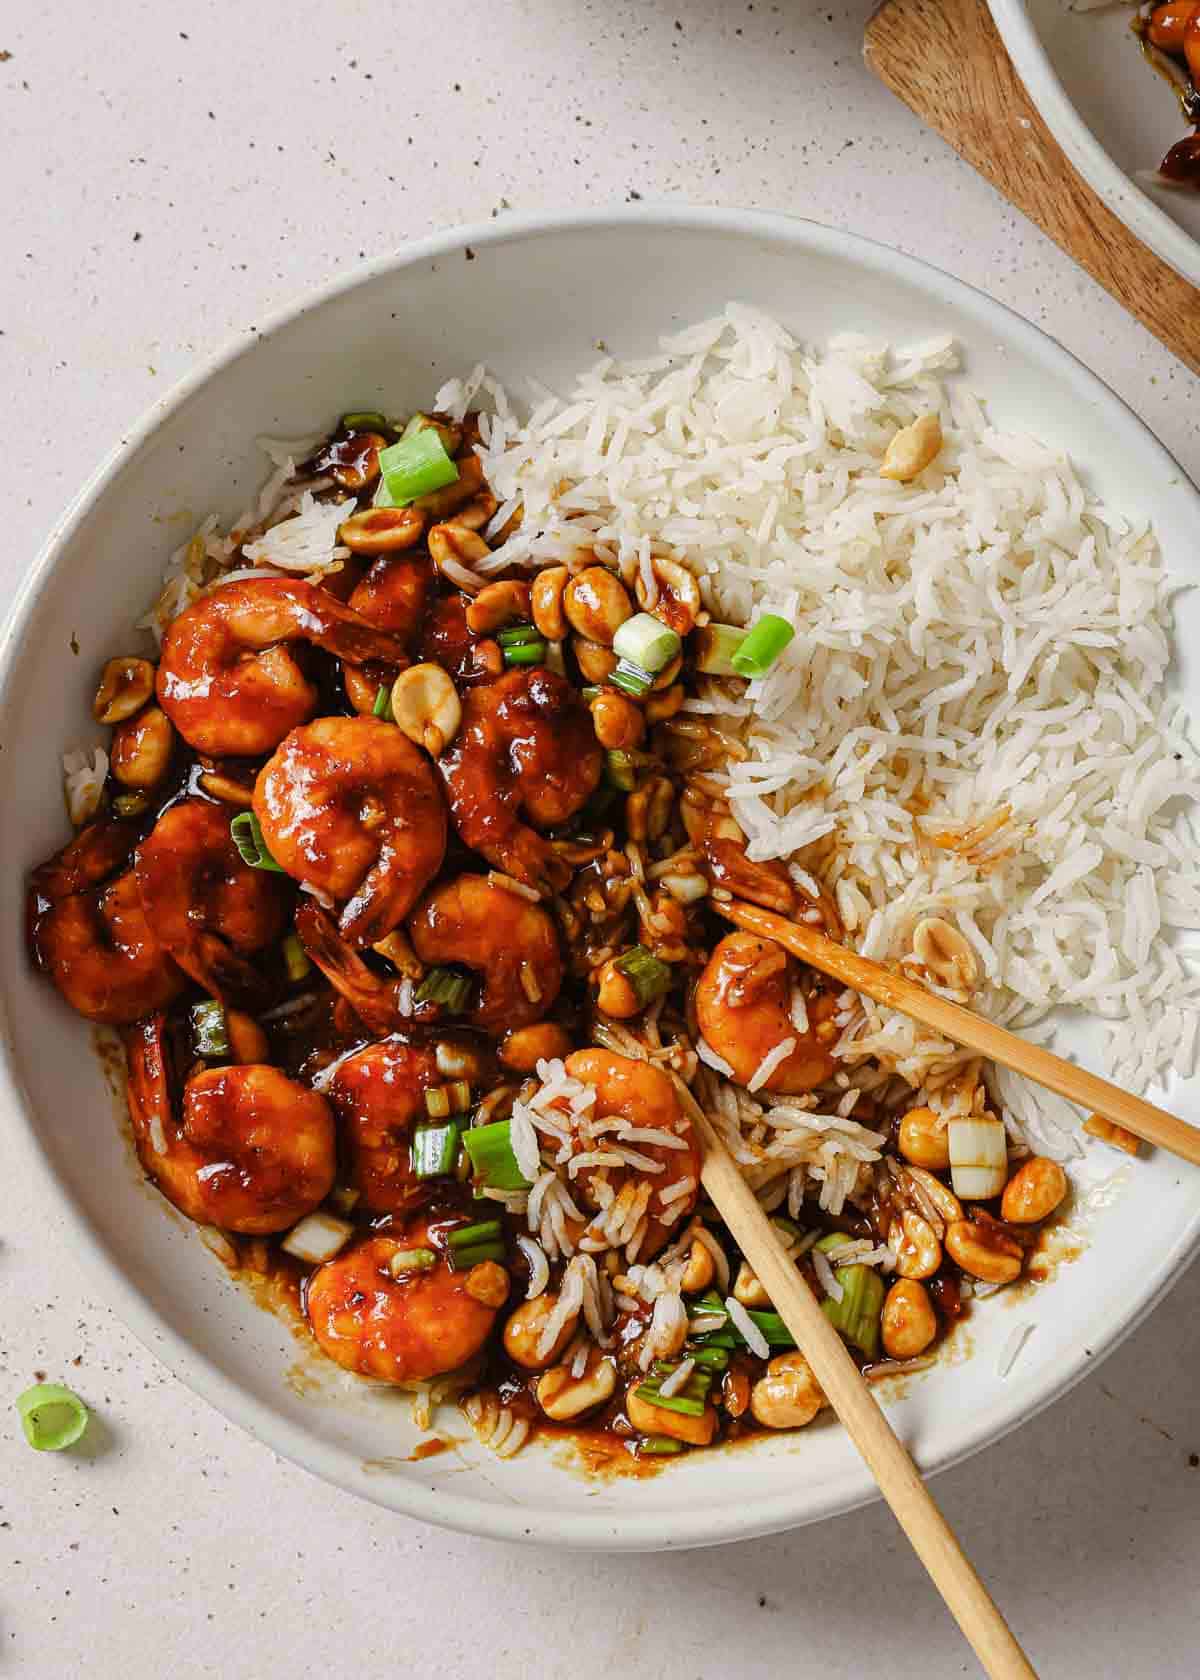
(1109, 111)
(535, 296)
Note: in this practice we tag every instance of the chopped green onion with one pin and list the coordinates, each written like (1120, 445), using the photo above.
(691, 1398)
(513, 635)
(131, 804)
(416, 466)
(593, 691)
(766, 640)
(366, 421)
(412, 1260)
(426, 422)
(383, 704)
(447, 987)
(462, 1259)
(647, 643)
(435, 1149)
(248, 838)
(660, 1446)
(647, 974)
(52, 1416)
(491, 1152)
(459, 1093)
(295, 958)
(620, 769)
(210, 1034)
(715, 1358)
(437, 1103)
(466, 1236)
(631, 679)
(525, 653)
(856, 1316)
(786, 1227)
(382, 496)
(714, 646)
(770, 1324)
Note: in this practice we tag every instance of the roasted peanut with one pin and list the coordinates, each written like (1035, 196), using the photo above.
(1168, 24)
(247, 1041)
(699, 1271)
(596, 663)
(912, 449)
(678, 598)
(523, 1049)
(596, 604)
(497, 604)
(227, 789)
(382, 530)
(426, 706)
(649, 808)
(924, 1139)
(546, 602)
(748, 1290)
(787, 1396)
(524, 1329)
(986, 1251)
(948, 1206)
(126, 685)
(488, 1283)
(141, 749)
(909, 1322)
(563, 1396)
(440, 504)
(454, 550)
(615, 993)
(918, 1250)
(618, 723)
(1034, 1191)
(945, 954)
(664, 705)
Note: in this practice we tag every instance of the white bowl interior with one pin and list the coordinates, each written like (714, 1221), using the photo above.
(1111, 113)
(533, 299)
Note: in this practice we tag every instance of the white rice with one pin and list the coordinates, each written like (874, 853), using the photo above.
(84, 774)
(1011, 1350)
(826, 1276)
(742, 1322)
(987, 642)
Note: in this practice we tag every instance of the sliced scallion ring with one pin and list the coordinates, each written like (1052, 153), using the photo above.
(416, 466)
(248, 838)
(767, 638)
(53, 1417)
(647, 642)
(447, 987)
(210, 1031)
(631, 679)
(383, 704)
(491, 1152)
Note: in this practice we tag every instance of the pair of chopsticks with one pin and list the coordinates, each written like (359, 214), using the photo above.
(899, 1481)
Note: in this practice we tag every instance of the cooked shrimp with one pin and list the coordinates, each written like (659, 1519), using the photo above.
(508, 941)
(228, 679)
(378, 1095)
(400, 1329)
(644, 1098)
(375, 1001)
(208, 908)
(350, 806)
(744, 1006)
(102, 954)
(251, 1151)
(95, 853)
(525, 748)
(393, 596)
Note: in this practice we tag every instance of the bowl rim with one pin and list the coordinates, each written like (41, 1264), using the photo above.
(440, 1505)
(1140, 214)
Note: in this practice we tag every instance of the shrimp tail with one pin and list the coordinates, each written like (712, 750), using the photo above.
(349, 636)
(148, 1083)
(371, 998)
(211, 963)
(96, 852)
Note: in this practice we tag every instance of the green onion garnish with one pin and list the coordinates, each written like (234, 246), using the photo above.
(525, 653)
(858, 1312)
(620, 770)
(466, 1236)
(631, 679)
(764, 643)
(691, 1398)
(772, 1326)
(412, 1260)
(647, 643)
(462, 1259)
(248, 838)
(51, 1416)
(492, 1158)
(714, 646)
(591, 692)
(210, 1033)
(660, 1446)
(366, 421)
(416, 466)
(447, 987)
(649, 976)
(470, 1245)
(435, 1149)
(295, 958)
(715, 1358)
(383, 704)
(513, 635)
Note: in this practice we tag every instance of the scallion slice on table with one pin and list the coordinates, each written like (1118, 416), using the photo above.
(491, 1152)
(383, 704)
(631, 679)
(295, 958)
(646, 642)
(856, 1316)
(53, 1417)
(412, 1260)
(765, 641)
(415, 466)
(435, 1149)
(649, 976)
(713, 647)
(447, 987)
(210, 1030)
(248, 838)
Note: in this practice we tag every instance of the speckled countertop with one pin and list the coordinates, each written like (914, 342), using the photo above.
(169, 172)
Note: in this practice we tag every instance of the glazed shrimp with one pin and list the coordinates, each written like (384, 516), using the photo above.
(228, 679)
(252, 1151)
(375, 1001)
(402, 1329)
(511, 943)
(394, 596)
(350, 806)
(208, 908)
(96, 852)
(664, 1192)
(525, 748)
(378, 1095)
(744, 1007)
(101, 952)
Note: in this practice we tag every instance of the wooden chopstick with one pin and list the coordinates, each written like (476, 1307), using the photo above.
(899, 1481)
(1096, 1095)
